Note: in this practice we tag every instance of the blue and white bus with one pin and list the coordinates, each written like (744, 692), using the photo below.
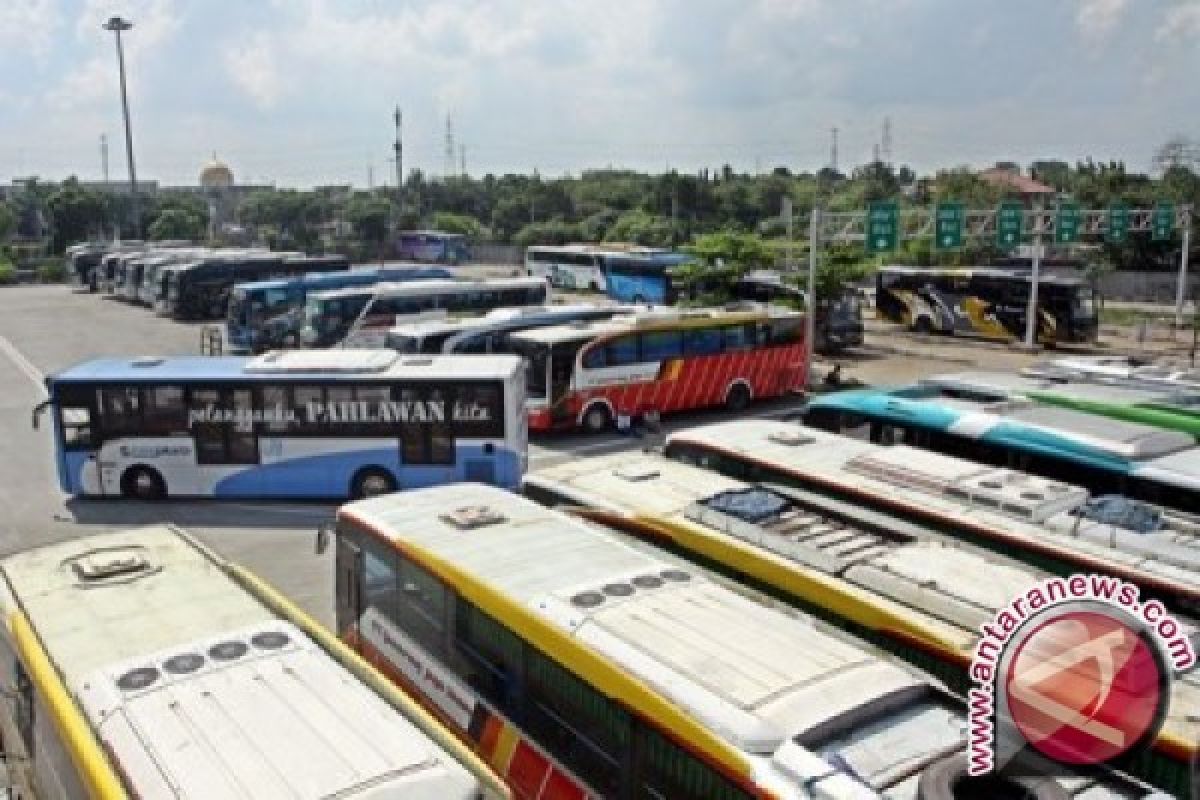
(488, 333)
(264, 315)
(436, 247)
(1104, 455)
(289, 424)
(642, 277)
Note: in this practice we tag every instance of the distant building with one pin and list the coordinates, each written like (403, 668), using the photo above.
(1005, 176)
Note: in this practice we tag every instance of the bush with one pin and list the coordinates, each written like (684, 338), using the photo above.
(51, 272)
(8, 274)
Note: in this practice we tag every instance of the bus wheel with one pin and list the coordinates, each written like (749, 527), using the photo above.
(737, 398)
(371, 482)
(923, 325)
(143, 483)
(947, 780)
(597, 419)
(290, 342)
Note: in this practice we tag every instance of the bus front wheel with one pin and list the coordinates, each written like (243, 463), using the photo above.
(597, 419)
(738, 397)
(371, 482)
(143, 483)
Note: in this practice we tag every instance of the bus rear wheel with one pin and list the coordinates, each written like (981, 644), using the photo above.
(143, 483)
(597, 419)
(372, 482)
(737, 398)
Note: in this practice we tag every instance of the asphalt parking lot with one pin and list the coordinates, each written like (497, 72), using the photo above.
(47, 328)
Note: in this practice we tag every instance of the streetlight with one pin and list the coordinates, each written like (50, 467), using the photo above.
(116, 25)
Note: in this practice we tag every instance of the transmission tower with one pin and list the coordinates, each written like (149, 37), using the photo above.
(398, 148)
(449, 153)
(833, 149)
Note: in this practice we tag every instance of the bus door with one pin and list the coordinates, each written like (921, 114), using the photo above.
(348, 577)
(222, 427)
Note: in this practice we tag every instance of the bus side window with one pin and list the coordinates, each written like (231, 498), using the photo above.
(165, 414)
(623, 350)
(421, 608)
(121, 411)
(595, 358)
(665, 771)
(661, 345)
(587, 731)
(736, 338)
(702, 342)
(488, 656)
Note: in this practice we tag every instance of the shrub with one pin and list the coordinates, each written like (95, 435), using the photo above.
(8, 274)
(51, 272)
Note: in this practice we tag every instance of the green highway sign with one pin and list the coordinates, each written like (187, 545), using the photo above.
(1066, 224)
(1010, 224)
(1162, 223)
(883, 227)
(948, 225)
(1118, 223)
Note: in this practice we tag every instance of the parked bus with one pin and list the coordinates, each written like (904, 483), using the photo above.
(263, 315)
(572, 266)
(1159, 407)
(895, 583)
(286, 424)
(986, 302)
(1104, 455)
(593, 374)
(619, 673)
(201, 290)
(140, 664)
(1117, 371)
(488, 333)
(362, 316)
(643, 277)
(433, 247)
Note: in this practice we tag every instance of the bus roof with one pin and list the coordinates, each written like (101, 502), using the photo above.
(501, 319)
(983, 272)
(388, 289)
(663, 317)
(291, 365)
(767, 677)
(1008, 383)
(317, 278)
(197, 690)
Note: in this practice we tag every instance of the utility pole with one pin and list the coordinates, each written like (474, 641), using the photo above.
(833, 154)
(398, 149)
(886, 144)
(810, 316)
(1181, 287)
(117, 25)
(1031, 311)
(104, 158)
(462, 160)
(448, 155)
(370, 177)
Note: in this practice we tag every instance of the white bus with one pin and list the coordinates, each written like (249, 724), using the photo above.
(572, 266)
(299, 423)
(140, 665)
(580, 662)
(361, 316)
(488, 333)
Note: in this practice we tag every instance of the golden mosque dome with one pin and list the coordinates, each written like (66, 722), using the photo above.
(216, 175)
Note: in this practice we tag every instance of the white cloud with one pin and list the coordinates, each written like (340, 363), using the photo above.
(254, 68)
(1181, 22)
(1097, 19)
(29, 25)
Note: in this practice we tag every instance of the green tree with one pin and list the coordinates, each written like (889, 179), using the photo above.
(740, 251)
(549, 232)
(8, 221)
(449, 222)
(76, 214)
(642, 228)
(370, 215)
(177, 223)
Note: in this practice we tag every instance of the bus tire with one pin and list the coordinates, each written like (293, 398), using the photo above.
(371, 482)
(947, 780)
(923, 325)
(143, 483)
(597, 418)
(737, 397)
(290, 341)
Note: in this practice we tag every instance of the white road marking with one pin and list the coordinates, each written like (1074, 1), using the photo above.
(24, 364)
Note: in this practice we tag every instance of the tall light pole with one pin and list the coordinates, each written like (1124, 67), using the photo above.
(116, 25)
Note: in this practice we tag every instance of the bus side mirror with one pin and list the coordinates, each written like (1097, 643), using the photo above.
(324, 531)
(38, 410)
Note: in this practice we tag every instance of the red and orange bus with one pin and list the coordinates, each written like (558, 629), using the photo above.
(596, 373)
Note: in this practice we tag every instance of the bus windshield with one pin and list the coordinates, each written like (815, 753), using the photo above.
(537, 357)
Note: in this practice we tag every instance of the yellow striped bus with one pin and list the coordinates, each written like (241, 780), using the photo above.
(901, 586)
(582, 666)
(139, 664)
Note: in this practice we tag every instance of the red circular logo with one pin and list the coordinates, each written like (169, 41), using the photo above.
(1084, 687)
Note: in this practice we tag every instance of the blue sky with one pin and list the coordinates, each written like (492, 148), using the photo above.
(300, 92)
